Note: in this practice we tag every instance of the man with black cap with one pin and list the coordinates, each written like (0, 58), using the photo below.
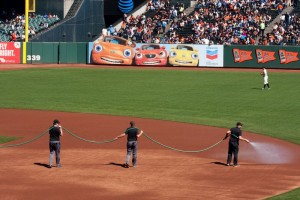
(235, 135)
(133, 134)
(54, 144)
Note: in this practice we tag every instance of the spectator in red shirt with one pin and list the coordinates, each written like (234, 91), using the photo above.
(13, 36)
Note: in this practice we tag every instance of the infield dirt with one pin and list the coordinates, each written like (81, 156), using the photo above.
(92, 171)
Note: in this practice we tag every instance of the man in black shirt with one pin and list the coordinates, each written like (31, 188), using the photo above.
(133, 134)
(54, 144)
(235, 135)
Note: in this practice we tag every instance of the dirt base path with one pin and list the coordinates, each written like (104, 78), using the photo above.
(92, 171)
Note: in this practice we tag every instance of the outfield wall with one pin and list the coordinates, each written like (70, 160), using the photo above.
(147, 54)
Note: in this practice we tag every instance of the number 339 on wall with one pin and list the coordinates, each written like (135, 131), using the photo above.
(33, 57)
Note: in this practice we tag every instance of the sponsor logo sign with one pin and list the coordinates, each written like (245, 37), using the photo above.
(211, 55)
(10, 52)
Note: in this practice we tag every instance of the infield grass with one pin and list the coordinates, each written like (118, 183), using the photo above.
(214, 98)
(4, 139)
(292, 195)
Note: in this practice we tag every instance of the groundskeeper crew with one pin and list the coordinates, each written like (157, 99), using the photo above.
(235, 134)
(133, 133)
(55, 133)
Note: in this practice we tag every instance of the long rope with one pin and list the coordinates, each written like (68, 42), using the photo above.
(91, 141)
(180, 150)
(26, 142)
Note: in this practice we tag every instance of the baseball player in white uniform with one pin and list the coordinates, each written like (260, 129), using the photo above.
(266, 79)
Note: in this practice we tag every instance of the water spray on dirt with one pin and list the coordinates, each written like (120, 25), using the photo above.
(268, 153)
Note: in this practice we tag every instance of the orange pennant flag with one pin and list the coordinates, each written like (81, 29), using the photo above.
(265, 56)
(287, 56)
(241, 55)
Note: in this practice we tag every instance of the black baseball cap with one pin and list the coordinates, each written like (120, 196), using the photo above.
(56, 121)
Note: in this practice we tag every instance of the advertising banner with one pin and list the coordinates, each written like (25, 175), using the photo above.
(261, 56)
(10, 52)
(211, 55)
(113, 50)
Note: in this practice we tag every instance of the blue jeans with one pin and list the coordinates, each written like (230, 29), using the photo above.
(54, 147)
(132, 146)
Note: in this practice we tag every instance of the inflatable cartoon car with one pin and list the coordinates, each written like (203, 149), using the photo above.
(151, 54)
(112, 50)
(183, 55)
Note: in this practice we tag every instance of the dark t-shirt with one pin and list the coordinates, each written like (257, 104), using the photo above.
(132, 133)
(54, 133)
(235, 133)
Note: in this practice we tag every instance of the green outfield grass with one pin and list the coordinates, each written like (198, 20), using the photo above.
(214, 98)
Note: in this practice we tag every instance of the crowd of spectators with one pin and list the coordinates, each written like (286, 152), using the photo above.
(212, 22)
(229, 22)
(13, 25)
(285, 32)
(149, 29)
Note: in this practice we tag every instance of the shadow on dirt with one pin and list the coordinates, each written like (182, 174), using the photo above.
(42, 165)
(117, 164)
(219, 163)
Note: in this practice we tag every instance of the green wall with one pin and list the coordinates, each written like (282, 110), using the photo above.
(229, 59)
(56, 53)
(42, 52)
(72, 52)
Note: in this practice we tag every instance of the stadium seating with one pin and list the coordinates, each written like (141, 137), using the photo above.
(36, 23)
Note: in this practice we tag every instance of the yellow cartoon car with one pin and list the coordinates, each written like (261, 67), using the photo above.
(112, 50)
(183, 55)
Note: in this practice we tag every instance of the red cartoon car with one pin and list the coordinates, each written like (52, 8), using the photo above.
(112, 50)
(151, 54)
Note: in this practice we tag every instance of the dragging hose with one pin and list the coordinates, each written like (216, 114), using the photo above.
(180, 150)
(109, 141)
(26, 142)
(91, 141)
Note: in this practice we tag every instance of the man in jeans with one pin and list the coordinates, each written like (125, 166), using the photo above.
(54, 144)
(133, 134)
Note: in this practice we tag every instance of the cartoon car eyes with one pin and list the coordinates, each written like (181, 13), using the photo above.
(194, 56)
(173, 54)
(162, 54)
(98, 48)
(139, 55)
(127, 53)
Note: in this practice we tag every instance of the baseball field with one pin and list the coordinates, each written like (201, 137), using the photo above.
(185, 108)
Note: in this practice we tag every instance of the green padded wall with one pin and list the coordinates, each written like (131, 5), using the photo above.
(72, 52)
(229, 58)
(42, 52)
